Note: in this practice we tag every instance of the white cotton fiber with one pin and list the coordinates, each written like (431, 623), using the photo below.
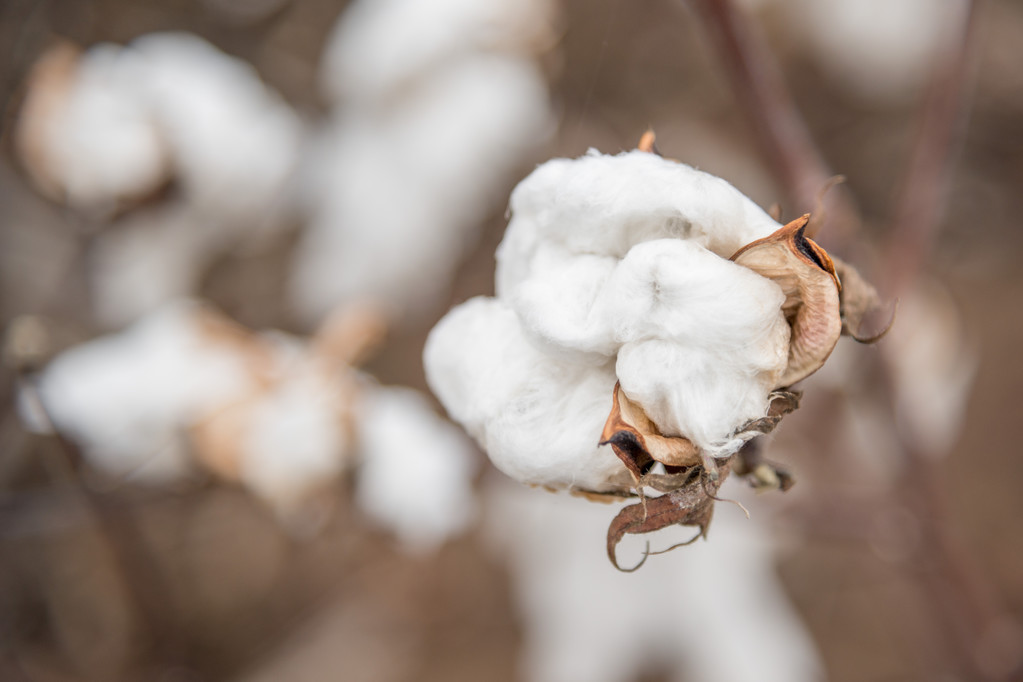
(379, 46)
(416, 469)
(613, 268)
(606, 205)
(538, 418)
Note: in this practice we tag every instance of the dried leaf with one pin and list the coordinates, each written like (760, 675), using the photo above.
(690, 505)
(858, 299)
(806, 275)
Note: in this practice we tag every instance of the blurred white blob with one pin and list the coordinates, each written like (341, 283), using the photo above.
(882, 50)
(416, 469)
(282, 416)
(127, 399)
(114, 123)
(85, 135)
(714, 611)
(378, 47)
(431, 119)
(933, 361)
(613, 268)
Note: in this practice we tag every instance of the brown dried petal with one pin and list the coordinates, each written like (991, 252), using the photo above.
(858, 299)
(806, 275)
(637, 441)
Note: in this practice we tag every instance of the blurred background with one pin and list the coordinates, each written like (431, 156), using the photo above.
(226, 229)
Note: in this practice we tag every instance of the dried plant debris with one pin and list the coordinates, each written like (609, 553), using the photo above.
(647, 316)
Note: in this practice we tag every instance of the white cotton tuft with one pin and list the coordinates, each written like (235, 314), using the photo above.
(605, 205)
(714, 612)
(438, 103)
(379, 46)
(295, 445)
(539, 419)
(396, 192)
(126, 399)
(613, 268)
(84, 134)
(416, 469)
(235, 142)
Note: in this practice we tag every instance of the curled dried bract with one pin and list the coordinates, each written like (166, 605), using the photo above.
(806, 275)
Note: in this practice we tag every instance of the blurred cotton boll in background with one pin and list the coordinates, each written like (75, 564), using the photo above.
(426, 132)
(883, 51)
(110, 126)
(715, 612)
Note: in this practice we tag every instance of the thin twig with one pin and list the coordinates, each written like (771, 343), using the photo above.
(781, 133)
(922, 197)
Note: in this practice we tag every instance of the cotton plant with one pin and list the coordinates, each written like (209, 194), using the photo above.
(186, 389)
(434, 106)
(106, 129)
(649, 321)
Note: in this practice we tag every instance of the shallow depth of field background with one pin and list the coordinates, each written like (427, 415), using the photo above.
(213, 589)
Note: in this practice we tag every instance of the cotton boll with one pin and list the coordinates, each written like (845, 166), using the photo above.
(716, 612)
(84, 134)
(235, 141)
(608, 204)
(397, 191)
(378, 47)
(295, 442)
(883, 50)
(415, 476)
(538, 418)
(127, 398)
(152, 257)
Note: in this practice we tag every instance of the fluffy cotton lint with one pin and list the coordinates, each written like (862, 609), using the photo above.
(416, 469)
(613, 268)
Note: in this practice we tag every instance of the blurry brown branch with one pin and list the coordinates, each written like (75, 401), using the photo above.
(781, 133)
(963, 608)
(922, 197)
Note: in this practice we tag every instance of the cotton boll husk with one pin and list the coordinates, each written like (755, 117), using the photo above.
(127, 398)
(712, 612)
(537, 417)
(605, 205)
(397, 191)
(377, 47)
(416, 469)
(84, 134)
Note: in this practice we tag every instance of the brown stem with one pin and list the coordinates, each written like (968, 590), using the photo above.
(780, 131)
(922, 199)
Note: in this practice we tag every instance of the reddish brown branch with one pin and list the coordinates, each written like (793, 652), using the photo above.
(922, 198)
(780, 131)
